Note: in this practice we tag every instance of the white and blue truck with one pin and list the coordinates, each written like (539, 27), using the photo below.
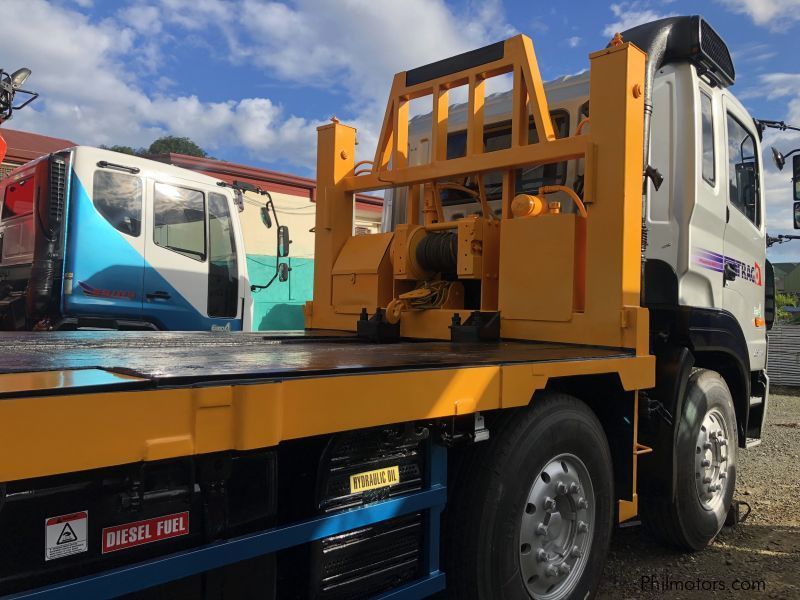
(91, 238)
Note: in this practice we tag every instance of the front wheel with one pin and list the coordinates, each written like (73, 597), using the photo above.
(705, 453)
(530, 515)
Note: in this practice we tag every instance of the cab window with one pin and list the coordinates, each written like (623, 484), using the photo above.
(707, 118)
(743, 171)
(179, 220)
(18, 199)
(223, 272)
(118, 198)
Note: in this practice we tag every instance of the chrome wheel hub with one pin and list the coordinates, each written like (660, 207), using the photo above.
(711, 459)
(556, 528)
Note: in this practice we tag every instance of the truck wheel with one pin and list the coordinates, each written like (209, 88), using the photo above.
(531, 512)
(706, 462)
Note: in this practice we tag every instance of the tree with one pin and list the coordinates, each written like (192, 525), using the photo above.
(781, 302)
(123, 149)
(178, 145)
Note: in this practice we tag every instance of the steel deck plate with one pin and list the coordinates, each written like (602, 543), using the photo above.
(186, 357)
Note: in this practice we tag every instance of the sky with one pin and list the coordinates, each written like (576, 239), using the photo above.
(251, 80)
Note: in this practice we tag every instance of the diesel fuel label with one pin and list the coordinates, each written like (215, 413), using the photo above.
(370, 480)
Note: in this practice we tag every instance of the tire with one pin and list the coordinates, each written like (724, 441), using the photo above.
(499, 495)
(695, 516)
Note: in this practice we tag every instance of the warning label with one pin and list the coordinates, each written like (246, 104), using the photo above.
(137, 533)
(66, 535)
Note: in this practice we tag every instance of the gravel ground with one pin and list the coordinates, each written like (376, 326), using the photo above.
(759, 558)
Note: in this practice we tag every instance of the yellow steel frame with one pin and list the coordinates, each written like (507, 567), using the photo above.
(608, 313)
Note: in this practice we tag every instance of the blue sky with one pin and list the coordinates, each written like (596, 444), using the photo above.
(250, 80)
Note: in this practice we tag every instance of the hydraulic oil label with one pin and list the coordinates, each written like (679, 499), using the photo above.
(66, 535)
(128, 535)
(370, 480)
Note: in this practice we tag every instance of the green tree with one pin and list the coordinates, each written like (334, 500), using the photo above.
(781, 302)
(178, 145)
(123, 149)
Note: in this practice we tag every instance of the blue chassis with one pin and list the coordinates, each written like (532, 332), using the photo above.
(139, 576)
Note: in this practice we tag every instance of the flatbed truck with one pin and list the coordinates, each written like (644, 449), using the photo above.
(475, 402)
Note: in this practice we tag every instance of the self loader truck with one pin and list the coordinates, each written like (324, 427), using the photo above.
(562, 327)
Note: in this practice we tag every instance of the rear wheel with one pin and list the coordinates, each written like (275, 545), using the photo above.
(530, 514)
(706, 462)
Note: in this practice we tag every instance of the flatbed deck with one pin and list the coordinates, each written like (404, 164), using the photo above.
(181, 358)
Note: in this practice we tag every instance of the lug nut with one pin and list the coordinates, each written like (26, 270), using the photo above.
(706, 479)
(561, 488)
(541, 529)
(722, 442)
(564, 569)
(576, 552)
(722, 475)
(549, 503)
(705, 463)
(707, 446)
(582, 503)
(582, 527)
(541, 555)
(552, 571)
(574, 488)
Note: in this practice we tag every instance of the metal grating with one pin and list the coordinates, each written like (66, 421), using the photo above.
(783, 366)
(714, 47)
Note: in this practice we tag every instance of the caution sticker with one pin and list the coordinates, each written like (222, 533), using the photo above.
(370, 480)
(137, 533)
(66, 535)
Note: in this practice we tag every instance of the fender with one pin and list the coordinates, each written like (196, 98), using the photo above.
(685, 337)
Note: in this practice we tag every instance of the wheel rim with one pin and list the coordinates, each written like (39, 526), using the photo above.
(711, 459)
(556, 528)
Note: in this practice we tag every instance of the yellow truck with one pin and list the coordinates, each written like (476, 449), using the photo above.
(475, 402)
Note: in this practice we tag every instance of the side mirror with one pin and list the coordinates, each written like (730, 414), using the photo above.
(283, 272)
(265, 218)
(778, 159)
(796, 178)
(283, 241)
(796, 213)
(238, 199)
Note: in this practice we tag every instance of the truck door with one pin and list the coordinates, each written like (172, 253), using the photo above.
(104, 259)
(744, 249)
(187, 273)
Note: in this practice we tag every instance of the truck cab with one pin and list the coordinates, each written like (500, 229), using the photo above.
(93, 238)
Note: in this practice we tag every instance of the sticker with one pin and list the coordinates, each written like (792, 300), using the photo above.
(128, 535)
(66, 535)
(370, 480)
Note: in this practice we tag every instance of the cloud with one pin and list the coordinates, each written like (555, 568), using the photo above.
(631, 14)
(89, 71)
(573, 41)
(775, 14)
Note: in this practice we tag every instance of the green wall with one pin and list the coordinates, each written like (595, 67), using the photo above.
(280, 306)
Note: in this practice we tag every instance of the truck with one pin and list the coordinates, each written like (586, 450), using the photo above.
(477, 399)
(91, 238)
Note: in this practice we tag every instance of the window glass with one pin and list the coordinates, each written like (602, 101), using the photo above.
(498, 137)
(743, 171)
(223, 272)
(179, 220)
(118, 197)
(19, 198)
(708, 138)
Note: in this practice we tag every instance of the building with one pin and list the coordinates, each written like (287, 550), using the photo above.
(281, 305)
(24, 147)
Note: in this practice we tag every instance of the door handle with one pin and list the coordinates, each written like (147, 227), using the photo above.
(728, 273)
(158, 295)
